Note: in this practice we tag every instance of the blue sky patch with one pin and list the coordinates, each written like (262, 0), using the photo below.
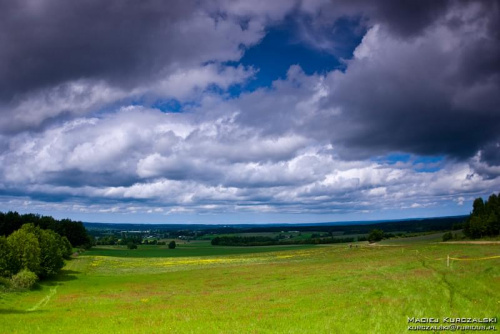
(281, 49)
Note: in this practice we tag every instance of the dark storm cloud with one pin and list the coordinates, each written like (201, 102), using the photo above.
(427, 97)
(44, 43)
(424, 80)
(406, 17)
(61, 60)
(325, 24)
(123, 43)
(491, 153)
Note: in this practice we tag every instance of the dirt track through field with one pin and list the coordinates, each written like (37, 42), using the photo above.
(44, 300)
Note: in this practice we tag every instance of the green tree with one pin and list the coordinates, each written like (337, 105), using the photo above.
(5, 258)
(75, 232)
(67, 248)
(492, 224)
(172, 244)
(476, 227)
(131, 245)
(25, 250)
(52, 252)
(478, 207)
(484, 219)
(10, 222)
(375, 235)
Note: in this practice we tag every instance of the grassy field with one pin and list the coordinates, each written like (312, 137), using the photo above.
(185, 250)
(198, 288)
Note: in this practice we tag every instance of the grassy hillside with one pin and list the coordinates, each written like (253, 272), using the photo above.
(311, 289)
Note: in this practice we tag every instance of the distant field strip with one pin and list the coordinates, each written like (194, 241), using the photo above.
(108, 265)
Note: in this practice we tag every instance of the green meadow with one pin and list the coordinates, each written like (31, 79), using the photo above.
(199, 288)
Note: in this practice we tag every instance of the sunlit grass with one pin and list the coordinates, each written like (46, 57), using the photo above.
(197, 248)
(322, 289)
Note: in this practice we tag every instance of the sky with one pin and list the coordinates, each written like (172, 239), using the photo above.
(221, 111)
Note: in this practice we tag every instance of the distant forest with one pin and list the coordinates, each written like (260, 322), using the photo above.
(73, 230)
(267, 241)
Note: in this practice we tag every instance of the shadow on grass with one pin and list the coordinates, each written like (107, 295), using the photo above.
(66, 275)
(63, 276)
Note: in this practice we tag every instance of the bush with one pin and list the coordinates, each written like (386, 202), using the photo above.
(24, 279)
(447, 236)
(131, 245)
(171, 244)
(5, 284)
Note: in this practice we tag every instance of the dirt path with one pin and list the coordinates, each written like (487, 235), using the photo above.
(44, 300)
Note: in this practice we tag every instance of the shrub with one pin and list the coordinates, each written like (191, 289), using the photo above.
(24, 279)
(447, 236)
(375, 235)
(5, 284)
(131, 245)
(171, 244)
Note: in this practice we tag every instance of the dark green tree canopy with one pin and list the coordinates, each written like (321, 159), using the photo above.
(32, 248)
(375, 235)
(484, 219)
(74, 231)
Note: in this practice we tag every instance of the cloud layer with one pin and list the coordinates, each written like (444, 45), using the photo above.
(411, 123)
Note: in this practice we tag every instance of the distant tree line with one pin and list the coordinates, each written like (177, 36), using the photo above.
(168, 231)
(407, 225)
(74, 231)
(374, 236)
(126, 240)
(484, 219)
